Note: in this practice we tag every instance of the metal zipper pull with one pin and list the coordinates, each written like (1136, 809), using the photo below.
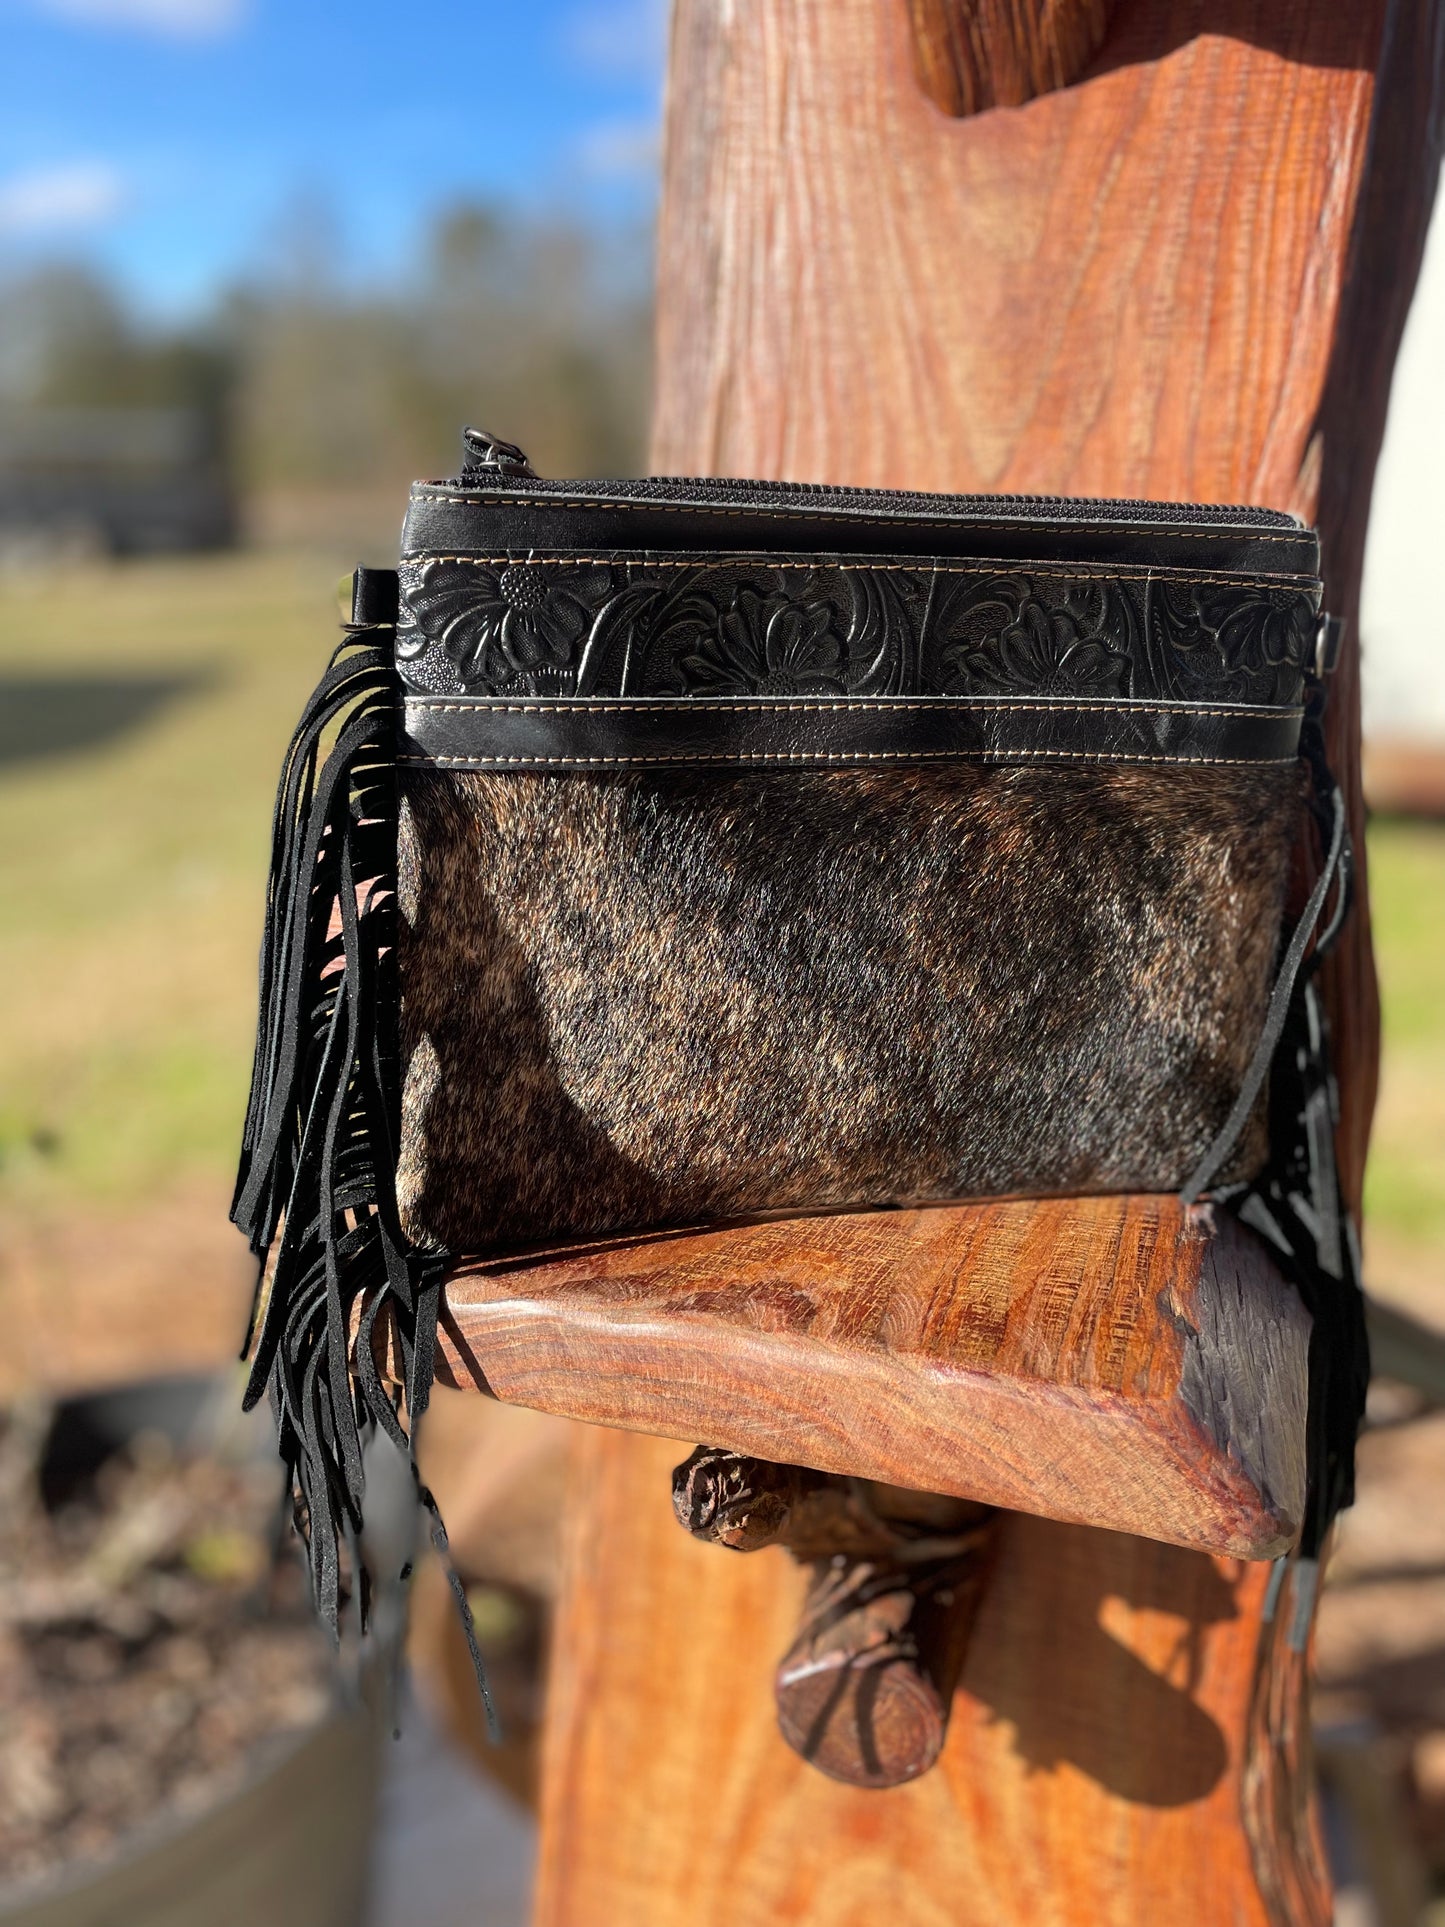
(488, 455)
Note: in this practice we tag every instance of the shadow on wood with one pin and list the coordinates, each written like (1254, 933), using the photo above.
(974, 54)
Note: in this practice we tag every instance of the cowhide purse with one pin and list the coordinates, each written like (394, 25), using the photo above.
(692, 849)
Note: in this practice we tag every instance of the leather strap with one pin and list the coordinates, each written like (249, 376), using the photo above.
(375, 594)
(592, 733)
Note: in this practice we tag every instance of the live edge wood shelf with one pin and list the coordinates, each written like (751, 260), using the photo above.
(1117, 1362)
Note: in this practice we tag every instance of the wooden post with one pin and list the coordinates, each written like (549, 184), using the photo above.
(1180, 271)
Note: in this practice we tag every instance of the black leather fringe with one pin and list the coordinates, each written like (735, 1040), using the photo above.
(315, 1194)
(1297, 1206)
(1296, 1203)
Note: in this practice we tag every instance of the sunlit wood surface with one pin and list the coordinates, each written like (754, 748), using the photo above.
(1107, 1361)
(1184, 275)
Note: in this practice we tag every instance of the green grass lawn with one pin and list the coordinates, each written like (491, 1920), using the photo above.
(132, 867)
(1405, 1185)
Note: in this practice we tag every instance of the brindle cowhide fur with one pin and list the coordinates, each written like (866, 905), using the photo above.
(669, 998)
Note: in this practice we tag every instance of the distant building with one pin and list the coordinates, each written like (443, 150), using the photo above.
(120, 480)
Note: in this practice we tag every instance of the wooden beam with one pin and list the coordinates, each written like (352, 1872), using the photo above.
(1183, 276)
(1118, 1362)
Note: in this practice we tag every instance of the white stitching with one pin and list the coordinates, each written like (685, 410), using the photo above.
(564, 706)
(484, 499)
(846, 756)
(1089, 571)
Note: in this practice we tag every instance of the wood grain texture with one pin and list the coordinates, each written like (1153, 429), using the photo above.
(1091, 1773)
(970, 55)
(1182, 277)
(1131, 288)
(1119, 1362)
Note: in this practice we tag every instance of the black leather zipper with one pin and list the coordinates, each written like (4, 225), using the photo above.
(495, 466)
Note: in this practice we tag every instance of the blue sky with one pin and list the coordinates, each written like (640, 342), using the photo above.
(170, 141)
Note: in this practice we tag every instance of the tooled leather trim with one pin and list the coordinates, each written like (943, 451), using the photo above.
(739, 625)
(580, 734)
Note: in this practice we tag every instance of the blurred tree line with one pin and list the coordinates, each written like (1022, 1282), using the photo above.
(538, 330)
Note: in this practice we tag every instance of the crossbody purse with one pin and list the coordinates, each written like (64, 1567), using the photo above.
(663, 852)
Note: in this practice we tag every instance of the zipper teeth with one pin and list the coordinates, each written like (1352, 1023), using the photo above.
(709, 489)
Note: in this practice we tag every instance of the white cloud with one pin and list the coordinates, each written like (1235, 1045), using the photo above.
(618, 149)
(77, 194)
(618, 39)
(173, 19)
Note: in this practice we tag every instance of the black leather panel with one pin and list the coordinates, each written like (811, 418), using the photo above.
(445, 519)
(707, 625)
(481, 733)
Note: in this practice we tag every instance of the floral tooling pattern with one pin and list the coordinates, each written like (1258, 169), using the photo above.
(739, 626)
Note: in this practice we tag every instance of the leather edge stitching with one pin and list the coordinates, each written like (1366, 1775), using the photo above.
(484, 500)
(1085, 572)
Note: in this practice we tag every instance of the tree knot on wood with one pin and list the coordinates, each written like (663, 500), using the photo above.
(734, 1501)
